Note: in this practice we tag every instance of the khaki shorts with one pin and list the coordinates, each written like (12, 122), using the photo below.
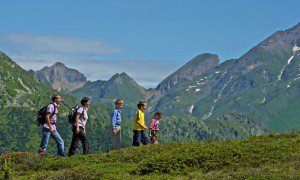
(118, 128)
(116, 139)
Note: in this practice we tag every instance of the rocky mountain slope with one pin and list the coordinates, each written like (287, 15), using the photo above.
(263, 84)
(60, 77)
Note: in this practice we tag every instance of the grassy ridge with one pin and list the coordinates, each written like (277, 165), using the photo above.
(266, 156)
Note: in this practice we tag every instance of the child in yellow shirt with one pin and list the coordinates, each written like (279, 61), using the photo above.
(139, 126)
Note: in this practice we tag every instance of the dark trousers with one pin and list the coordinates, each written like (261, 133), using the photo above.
(76, 137)
(139, 136)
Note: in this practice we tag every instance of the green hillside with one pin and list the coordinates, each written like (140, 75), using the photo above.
(273, 156)
(187, 128)
(23, 95)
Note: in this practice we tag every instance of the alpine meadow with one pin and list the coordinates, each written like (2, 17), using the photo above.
(117, 98)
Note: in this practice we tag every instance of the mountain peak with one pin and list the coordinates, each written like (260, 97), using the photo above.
(118, 78)
(203, 61)
(213, 58)
(59, 64)
(206, 59)
(283, 40)
(60, 77)
(195, 67)
(124, 74)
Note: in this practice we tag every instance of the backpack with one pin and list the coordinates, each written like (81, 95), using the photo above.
(41, 115)
(72, 114)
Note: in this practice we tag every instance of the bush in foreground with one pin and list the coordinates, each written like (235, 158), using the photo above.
(266, 156)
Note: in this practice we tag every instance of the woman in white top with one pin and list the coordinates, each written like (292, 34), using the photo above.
(79, 132)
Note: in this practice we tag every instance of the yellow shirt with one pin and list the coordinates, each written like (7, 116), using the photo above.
(139, 115)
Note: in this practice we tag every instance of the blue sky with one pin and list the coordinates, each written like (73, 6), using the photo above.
(148, 39)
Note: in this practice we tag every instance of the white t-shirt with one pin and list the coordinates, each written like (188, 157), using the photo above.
(83, 117)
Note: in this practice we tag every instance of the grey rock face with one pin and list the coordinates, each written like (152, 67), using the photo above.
(197, 66)
(60, 77)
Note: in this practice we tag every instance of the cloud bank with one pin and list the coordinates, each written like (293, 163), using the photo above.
(32, 51)
(36, 43)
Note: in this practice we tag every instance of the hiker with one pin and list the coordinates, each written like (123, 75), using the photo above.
(115, 122)
(49, 127)
(79, 130)
(154, 127)
(139, 125)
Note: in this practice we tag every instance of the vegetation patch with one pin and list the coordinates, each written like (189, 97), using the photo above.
(265, 156)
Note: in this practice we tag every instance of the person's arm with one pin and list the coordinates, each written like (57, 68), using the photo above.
(150, 127)
(50, 110)
(77, 122)
(140, 124)
(49, 122)
(113, 121)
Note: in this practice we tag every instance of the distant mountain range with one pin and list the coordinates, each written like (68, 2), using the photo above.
(263, 84)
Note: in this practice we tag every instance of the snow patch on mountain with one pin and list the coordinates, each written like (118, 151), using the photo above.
(295, 49)
(191, 108)
(296, 78)
(206, 116)
(25, 87)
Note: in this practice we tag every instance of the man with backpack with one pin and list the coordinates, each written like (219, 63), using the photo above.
(78, 119)
(49, 127)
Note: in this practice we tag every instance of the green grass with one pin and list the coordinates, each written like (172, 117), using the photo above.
(267, 156)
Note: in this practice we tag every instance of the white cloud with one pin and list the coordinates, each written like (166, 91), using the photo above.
(36, 43)
(32, 51)
(146, 73)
